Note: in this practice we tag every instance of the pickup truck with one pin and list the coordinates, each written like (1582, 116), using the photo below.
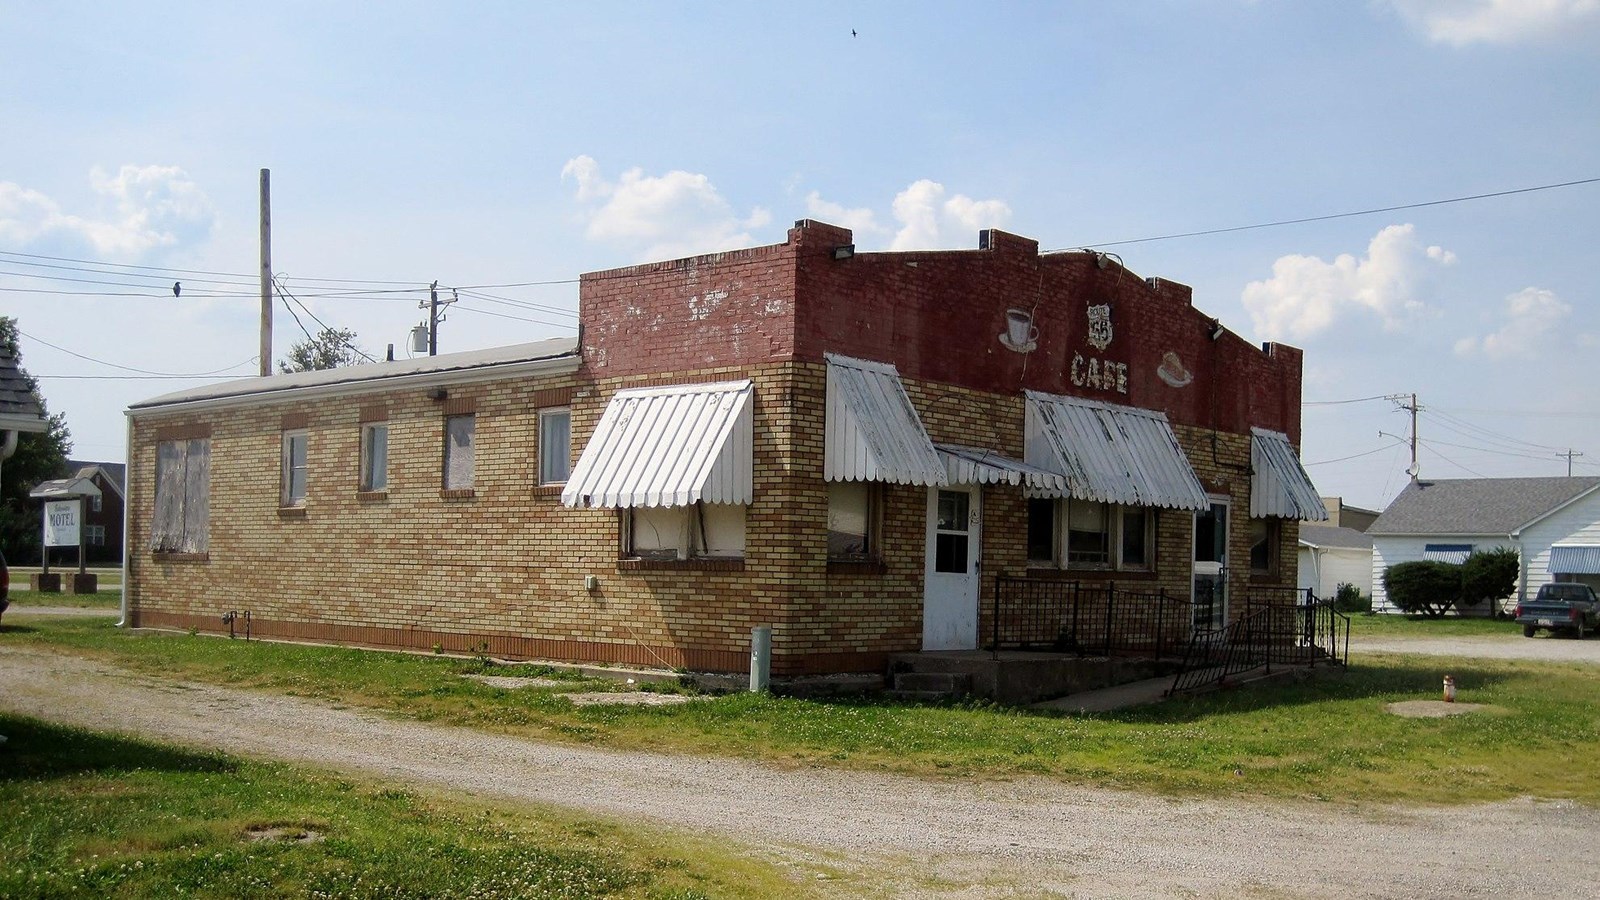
(1563, 606)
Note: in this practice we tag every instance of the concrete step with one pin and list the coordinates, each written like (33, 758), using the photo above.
(948, 683)
(919, 696)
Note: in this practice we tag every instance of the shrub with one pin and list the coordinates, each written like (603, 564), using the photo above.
(1490, 575)
(1347, 598)
(1425, 587)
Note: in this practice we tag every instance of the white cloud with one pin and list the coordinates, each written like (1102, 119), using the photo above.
(861, 220)
(1306, 295)
(1533, 316)
(928, 221)
(153, 206)
(664, 217)
(1462, 22)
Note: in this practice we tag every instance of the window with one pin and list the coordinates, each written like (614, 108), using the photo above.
(375, 457)
(458, 449)
(555, 445)
(1089, 535)
(96, 503)
(94, 535)
(183, 501)
(852, 521)
(294, 468)
(1264, 546)
(705, 530)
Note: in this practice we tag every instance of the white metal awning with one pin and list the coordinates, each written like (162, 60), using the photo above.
(668, 446)
(973, 465)
(1575, 560)
(1111, 453)
(1280, 486)
(1448, 553)
(871, 432)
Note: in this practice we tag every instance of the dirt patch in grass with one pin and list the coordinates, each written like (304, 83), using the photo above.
(1434, 709)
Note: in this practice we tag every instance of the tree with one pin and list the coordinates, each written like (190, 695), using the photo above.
(330, 349)
(40, 456)
(1489, 575)
(1426, 587)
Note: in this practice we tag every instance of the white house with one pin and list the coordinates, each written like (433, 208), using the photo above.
(1552, 523)
(1331, 555)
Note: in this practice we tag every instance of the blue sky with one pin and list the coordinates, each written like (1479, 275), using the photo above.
(513, 143)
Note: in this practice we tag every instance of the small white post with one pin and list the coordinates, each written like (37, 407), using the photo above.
(760, 658)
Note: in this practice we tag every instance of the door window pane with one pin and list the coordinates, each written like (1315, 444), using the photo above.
(1210, 534)
(951, 541)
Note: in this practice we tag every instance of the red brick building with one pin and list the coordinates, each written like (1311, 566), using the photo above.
(869, 452)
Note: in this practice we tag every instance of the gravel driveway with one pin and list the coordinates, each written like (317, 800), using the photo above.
(1543, 648)
(877, 834)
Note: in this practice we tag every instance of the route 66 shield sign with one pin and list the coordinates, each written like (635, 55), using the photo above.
(1100, 326)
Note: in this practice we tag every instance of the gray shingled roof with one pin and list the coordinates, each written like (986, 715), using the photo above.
(1477, 505)
(371, 372)
(116, 472)
(1334, 536)
(19, 407)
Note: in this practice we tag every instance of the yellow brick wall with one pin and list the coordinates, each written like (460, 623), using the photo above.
(505, 566)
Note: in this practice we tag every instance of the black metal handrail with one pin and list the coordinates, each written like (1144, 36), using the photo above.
(1086, 619)
(1269, 632)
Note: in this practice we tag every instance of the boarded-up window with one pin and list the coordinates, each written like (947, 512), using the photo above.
(183, 496)
(458, 451)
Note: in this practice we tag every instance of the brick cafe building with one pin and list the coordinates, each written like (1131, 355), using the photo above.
(845, 446)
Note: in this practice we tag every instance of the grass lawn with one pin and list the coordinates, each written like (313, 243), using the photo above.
(1322, 738)
(101, 599)
(89, 814)
(1416, 626)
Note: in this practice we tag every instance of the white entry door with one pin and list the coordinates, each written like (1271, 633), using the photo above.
(1211, 567)
(950, 592)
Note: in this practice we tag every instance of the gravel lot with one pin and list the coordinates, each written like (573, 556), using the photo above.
(869, 834)
(1543, 647)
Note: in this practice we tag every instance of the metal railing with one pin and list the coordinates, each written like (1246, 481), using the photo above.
(1277, 627)
(1087, 619)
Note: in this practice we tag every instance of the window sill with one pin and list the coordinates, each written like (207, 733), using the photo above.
(1265, 578)
(548, 490)
(372, 496)
(680, 565)
(174, 557)
(291, 512)
(457, 494)
(857, 567)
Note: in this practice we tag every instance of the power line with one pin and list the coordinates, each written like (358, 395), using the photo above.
(145, 372)
(1330, 216)
(1340, 402)
(1356, 455)
(283, 291)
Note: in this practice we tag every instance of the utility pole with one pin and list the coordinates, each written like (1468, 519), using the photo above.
(1412, 407)
(1569, 455)
(433, 319)
(266, 273)
(432, 305)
